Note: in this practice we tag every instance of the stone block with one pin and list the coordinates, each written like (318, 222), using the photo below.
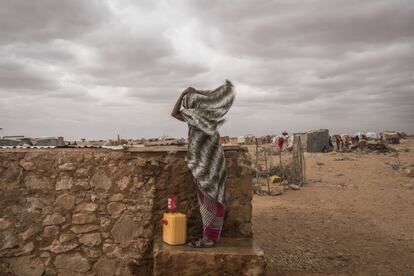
(50, 231)
(116, 208)
(72, 262)
(86, 207)
(125, 230)
(64, 182)
(25, 266)
(65, 201)
(67, 167)
(105, 266)
(101, 181)
(91, 239)
(80, 218)
(54, 219)
(228, 257)
(35, 182)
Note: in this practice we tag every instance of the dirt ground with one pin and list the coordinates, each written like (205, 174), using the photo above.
(355, 216)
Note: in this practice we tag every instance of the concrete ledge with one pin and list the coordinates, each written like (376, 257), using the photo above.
(228, 257)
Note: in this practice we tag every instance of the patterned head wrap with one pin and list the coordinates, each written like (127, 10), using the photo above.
(204, 110)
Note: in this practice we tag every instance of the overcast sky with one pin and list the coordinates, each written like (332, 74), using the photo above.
(94, 69)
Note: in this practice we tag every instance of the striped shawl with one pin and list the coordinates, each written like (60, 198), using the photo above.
(204, 111)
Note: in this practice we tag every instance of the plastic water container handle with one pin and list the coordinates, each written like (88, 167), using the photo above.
(164, 221)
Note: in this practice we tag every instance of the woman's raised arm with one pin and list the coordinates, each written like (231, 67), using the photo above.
(176, 110)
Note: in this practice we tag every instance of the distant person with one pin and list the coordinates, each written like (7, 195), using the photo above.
(280, 142)
(342, 143)
(338, 142)
(204, 111)
(347, 143)
(363, 142)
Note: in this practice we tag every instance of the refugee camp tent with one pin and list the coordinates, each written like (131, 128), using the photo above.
(372, 135)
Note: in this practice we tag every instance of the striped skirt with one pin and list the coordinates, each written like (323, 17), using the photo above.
(212, 215)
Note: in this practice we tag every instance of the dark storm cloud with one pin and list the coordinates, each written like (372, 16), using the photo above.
(43, 20)
(108, 67)
(17, 76)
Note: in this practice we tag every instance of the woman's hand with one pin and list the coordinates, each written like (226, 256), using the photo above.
(187, 91)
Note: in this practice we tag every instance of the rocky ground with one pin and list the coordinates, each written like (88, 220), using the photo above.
(355, 216)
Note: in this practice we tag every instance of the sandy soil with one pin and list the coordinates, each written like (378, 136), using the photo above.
(355, 216)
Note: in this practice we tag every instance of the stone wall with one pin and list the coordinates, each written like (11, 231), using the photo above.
(97, 211)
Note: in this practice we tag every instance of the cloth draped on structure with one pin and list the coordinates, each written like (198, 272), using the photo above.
(204, 111)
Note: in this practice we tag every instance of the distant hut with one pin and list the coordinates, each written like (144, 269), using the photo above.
(391, 137)
(50, 141)
(316, 140)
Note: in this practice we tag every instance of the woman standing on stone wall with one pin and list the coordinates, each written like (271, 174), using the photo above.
(203, 111)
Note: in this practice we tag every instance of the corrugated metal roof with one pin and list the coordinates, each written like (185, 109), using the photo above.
(27, 147)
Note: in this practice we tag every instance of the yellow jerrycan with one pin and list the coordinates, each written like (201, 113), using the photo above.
(174, 229)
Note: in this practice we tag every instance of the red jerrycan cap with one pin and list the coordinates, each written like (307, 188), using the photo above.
(172, 203)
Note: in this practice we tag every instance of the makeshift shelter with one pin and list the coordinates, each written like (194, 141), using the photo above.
(317, 141)
(391, 137)
(372, 135)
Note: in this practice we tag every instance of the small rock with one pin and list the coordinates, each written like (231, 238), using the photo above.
(116, 208)
(57, 247)
(27, 165)
(65, 182)
(8, 240)
(124, 230)
(123, 183)
(105, 266)
(91, 239)
(105, 222)
(28, 233)
(67, 167)
(54, 219)
(294, 187)
(116, 197)
(26, 249)
(101, 181)
(25, 266)
(50, 231)
(86, 207)
(4, 224)
(72, 262)
(82, 172)
(35, 182)
(92, 253)
(66, 237)
(83, 183)
(137, 184)
(65, 201)
(93, 197)
(44, 255)
(81, 218)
